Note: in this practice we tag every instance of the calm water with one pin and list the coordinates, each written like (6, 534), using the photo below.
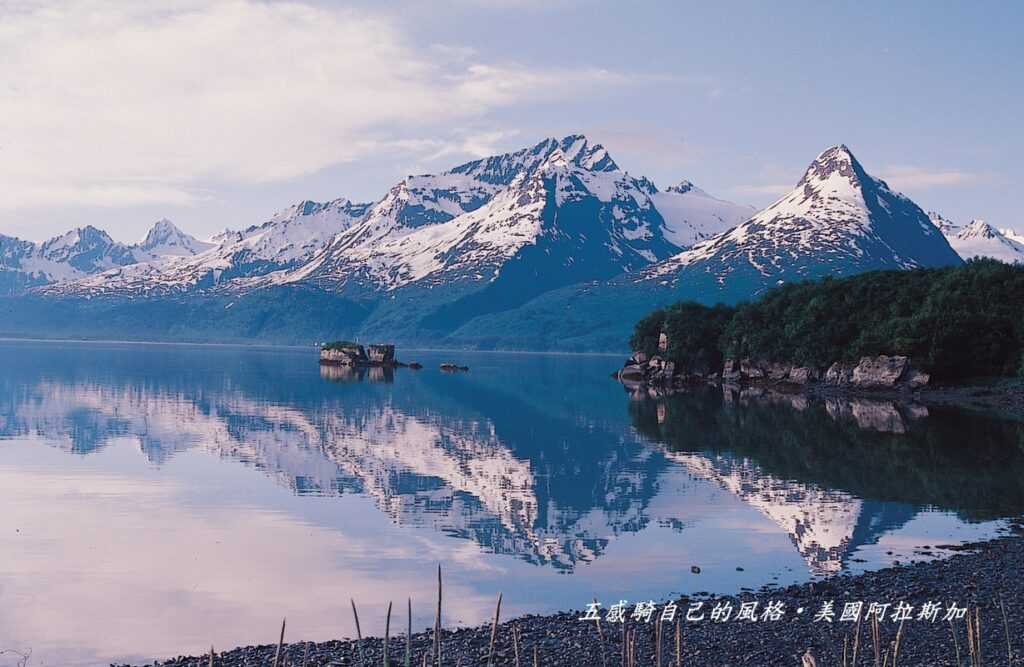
(157, 499)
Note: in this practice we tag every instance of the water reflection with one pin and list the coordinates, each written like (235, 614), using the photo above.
(837, 474)
(335, 373)
(205, 486)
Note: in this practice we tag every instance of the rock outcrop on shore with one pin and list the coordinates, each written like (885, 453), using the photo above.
(355, 355)
(870, 373)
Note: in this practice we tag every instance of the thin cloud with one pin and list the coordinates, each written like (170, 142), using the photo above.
(119, 104)
(921, 178)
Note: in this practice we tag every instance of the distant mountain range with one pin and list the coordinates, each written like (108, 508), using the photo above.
(552, 246)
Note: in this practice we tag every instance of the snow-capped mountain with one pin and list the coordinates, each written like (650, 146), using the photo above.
(692, 215)
(558, 212)
(838, 220)
(980, 239)
(289, 238)
(70, 256)
(515, 224)
(164, 239)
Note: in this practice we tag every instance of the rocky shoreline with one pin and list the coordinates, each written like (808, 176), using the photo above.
(882, 377)
(985, 577)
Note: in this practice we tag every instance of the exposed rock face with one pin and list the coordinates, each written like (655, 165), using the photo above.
(750, 369)
(353, 354)
(915, 378)
(879, 372)
(381, 354)
(838, 374)
(803, 374)
(350, 355)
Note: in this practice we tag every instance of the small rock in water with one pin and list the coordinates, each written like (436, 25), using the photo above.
(694, 569)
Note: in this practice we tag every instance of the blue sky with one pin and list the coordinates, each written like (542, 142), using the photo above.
(217, 114)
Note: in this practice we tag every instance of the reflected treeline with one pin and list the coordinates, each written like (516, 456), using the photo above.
(879, 450)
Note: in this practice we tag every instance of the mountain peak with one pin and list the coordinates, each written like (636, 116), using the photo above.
(685, 187)
(978, 229)
(833, 161)
(579, 150)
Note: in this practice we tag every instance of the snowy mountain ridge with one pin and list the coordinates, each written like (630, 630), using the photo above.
(459, 226)
(465, 224)
(837, 219)
(980, 239)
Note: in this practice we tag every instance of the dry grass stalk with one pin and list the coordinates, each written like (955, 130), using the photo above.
(494, 631)
(359, 633)
(876, 640)
(536, 656)
(1006, 629)
(856, 641)
(408, 638)
(657, 644)
(970, 639)
(679, 644)
(515, 643)
(280, 644)
(600, 637)
(437, 621)
(625, 647)
(896, 644)
(956, 642)
(211, 656)
(387, 635)
(305, 655)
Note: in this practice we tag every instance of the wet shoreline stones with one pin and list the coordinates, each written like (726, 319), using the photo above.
(983, 576)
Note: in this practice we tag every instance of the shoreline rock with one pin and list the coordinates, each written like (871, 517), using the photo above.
(880, 372)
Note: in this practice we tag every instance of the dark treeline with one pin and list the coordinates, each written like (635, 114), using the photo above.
(958, 322)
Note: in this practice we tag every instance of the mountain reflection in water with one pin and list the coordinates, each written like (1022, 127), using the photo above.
(838, 473)
(495, 460)
(212, 490)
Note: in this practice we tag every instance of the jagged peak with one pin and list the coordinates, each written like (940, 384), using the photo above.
(78, 235)
(682, 187)
(685, 187)
(978, 228)
(161, 231)
(838, 159)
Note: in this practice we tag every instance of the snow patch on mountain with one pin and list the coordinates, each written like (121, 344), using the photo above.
(692, 215)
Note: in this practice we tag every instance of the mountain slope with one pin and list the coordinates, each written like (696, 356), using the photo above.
(838, 220)
(692, 215)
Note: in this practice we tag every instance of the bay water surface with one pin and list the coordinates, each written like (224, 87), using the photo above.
(157, 499)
